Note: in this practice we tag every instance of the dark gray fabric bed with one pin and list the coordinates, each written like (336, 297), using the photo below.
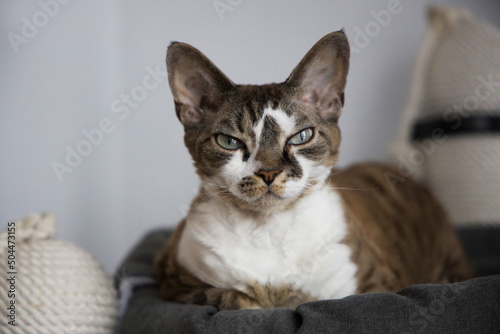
(467, 307)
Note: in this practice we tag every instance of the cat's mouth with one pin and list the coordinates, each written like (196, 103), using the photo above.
(267, 200)
(270, 194)
(253, 193)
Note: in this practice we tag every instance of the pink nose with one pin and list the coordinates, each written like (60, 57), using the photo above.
(268, 175)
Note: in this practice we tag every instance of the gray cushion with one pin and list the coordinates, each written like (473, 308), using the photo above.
(467, 307)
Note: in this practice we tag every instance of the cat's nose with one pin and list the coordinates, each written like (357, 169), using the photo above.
(268, 175)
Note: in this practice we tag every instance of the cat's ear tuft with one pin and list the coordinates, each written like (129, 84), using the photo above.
(318, 81)
(196, 83)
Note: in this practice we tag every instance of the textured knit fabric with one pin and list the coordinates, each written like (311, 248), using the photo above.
(467, 54)
(457, 78)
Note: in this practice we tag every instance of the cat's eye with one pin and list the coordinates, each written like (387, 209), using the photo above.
(302, 137)
(228, 142)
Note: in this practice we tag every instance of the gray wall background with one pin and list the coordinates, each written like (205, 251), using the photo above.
(71, 64)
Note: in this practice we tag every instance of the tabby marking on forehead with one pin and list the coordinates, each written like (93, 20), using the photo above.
(257, 130)
(285, 122)
(273, 129)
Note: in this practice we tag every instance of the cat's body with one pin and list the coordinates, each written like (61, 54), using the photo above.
(273, 226)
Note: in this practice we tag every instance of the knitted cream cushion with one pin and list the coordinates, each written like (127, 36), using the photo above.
(456, 91)
(467, 54)
(58, 287)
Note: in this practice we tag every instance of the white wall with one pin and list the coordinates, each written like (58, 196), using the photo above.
(65, 77)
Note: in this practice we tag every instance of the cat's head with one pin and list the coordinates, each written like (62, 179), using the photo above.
(261, 147)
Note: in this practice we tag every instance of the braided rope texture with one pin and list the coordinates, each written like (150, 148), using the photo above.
(60, 288)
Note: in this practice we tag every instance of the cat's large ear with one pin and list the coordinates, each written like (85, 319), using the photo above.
(196, 83)
(319, 79)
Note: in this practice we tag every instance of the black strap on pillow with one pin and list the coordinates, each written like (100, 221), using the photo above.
(456, 125)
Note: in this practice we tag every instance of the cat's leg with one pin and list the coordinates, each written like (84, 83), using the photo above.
(229, 299)
(179, 285)
(269, 296)
(184, 288)
(255, 296)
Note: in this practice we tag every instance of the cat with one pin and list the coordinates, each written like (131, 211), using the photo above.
(274, 224)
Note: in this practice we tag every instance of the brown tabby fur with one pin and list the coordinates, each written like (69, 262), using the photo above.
(398, 234)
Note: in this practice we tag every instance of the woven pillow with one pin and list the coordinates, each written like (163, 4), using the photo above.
(450, 131)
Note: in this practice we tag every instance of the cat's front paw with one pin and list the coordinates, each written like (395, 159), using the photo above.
(229, 299)
(268, 296)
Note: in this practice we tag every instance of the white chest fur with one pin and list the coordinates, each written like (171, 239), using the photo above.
(299, 247)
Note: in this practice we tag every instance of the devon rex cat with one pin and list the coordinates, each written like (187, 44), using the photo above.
(273, 224)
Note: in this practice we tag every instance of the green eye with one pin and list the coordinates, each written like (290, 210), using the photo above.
(302, 137)
(229, 143)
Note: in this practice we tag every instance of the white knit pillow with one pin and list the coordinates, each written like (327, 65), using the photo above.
(456, 96)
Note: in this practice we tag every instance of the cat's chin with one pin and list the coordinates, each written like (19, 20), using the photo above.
(268, 202)
(270, 199)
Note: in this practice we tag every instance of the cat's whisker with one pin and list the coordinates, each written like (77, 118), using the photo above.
(217, 185)
(327, 186)
(357, 189)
